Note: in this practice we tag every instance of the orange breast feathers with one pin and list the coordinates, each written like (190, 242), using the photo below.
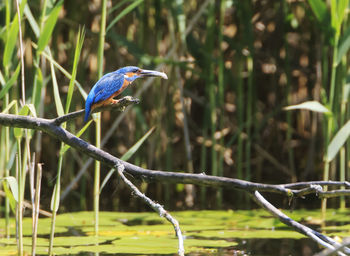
(110, 100)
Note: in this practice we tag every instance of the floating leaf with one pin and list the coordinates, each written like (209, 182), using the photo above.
(310, 105)
(338, 141)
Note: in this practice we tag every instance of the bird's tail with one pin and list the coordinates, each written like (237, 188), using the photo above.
(87, 113)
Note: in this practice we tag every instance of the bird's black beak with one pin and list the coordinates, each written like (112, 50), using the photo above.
(145, 72)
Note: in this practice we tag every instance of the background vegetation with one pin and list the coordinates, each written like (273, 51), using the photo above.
(232, 66)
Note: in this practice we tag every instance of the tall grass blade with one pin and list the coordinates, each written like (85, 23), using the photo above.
(12, 182)
(65, 72)
(55, 201)
(10, 196)
(181, 20)
(123, 13)
(56, 93)
(12, 39)
(10, 82)
(344, 45)
(32, 22)
(66, 146)
(18, 132)
(319, 8)
(50, 23)
(338, 141)
(136, 146)
(341, 7)
(97, 118)
(79, 45)
(9, 106)
(128, 155)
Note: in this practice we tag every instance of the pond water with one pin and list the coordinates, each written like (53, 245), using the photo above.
(252, 232)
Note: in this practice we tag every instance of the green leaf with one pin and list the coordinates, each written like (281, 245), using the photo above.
(123, 13)
(32, 21)
(12, 182)
(10, 82)
(136, 146)
(50, 23)
(343, 46)
(65, 72)
(79, 45)
(2, 79)
(55, 200)
(12, 38)
(127, 155)
(56, 93)
(319, 8)
(338, 141)
(10, 196)
(341, 9)
(9, 106)
(66, 146)
(334, 15)
(17, 132)
(310, 105)
(106, 179)
(38, 84)
(32, 109)
(181, 19)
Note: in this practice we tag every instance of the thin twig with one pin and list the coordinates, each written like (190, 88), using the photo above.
(155, 206)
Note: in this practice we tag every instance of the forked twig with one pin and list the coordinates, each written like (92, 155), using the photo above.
(155, 206)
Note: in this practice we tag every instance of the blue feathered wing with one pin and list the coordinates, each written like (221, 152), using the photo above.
(102, 90)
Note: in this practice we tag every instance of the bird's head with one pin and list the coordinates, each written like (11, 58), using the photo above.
(131, 73)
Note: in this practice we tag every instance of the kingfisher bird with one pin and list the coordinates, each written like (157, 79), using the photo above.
(112, 84)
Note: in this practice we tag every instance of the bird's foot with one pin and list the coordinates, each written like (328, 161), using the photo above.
(127, 100)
